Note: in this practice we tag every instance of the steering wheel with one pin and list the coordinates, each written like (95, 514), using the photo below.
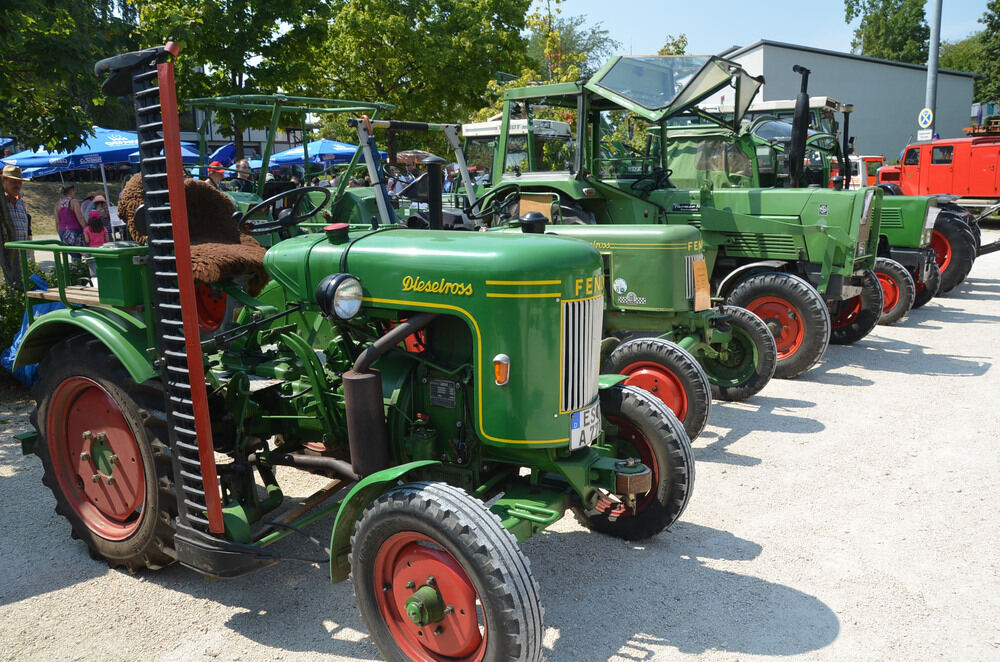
(289, 214)
(653, 179)
(499, 198)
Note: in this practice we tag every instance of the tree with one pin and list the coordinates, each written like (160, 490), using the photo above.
(965, 55)
(588, 48)
(890, 29)
(233, 47)
(989, 89)
(674, 45)
(50, 95)
(432, 59)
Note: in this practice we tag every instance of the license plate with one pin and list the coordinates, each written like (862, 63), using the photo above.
(585, 427)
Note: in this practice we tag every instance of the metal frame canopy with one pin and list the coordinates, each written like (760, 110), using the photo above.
(280, 104)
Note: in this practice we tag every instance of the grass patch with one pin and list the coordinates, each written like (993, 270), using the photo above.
(40, 198)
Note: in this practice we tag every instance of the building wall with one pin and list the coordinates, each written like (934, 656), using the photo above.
(886, 97)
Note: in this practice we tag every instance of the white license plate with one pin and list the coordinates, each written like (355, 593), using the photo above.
(585, 427)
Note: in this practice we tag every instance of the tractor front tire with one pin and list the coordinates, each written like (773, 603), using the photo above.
(898, 290)
(670, 373)
(795, 314)
(639, 425)
(750, 360)
(928, 289)
(955, 247)
(102, 442)
(438, 577)
(854, 318)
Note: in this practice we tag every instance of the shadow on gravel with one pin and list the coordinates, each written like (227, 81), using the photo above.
(974, 288)
(938, 310)
(759, 413)
(661, 593)
(890, 355)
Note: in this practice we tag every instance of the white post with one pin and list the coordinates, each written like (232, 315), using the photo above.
(105, 181)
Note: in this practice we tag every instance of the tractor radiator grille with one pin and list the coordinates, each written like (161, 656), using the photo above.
(761, 245)
(891, 218)
(689, 260)
(581, 351)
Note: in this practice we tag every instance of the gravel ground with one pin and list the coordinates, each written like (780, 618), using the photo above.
(850, 514)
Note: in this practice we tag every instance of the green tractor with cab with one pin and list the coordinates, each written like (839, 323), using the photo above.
(446, 384)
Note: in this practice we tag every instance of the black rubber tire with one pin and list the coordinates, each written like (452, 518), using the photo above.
(905, 289)
(752, 345)
(150, 545)
(680, 371)
(848, 328)
(804, 302)
(666, 444)
(474, 537)
(928, 289)
(963, 251)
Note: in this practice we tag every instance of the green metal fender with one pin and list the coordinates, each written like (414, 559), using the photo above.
(362, 494)
(607, 381)
(124, 336)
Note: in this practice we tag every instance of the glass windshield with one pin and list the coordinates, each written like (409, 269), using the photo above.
(545, 152)
(479, 157)
(651, 82)
(625, 150)
(777, 131)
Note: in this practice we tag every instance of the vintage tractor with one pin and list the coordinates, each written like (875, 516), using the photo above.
(801, 260)
(658, 329)
(444, 450)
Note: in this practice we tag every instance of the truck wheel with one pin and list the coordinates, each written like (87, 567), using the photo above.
(898, 290)
(794, 312)
(928, 289)
(639, 425)
(438, 577)
(854, 318)
(751, 357)
(955, 250)
(102, 449)
(670, 373)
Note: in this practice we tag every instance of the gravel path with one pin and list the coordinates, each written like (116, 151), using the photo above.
(850, 514)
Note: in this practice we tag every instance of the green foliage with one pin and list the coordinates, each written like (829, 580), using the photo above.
(674, 45)
(585, 47)
(989, 88)
(890, 29)
(12, 302)
(50, 94)
(965, 55)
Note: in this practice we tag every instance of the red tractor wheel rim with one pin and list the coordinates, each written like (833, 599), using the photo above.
(211, 308)
(661, 382)
(785, 322)
(942, 250)
(101, 473)
(404, 564)
(890, 292)
(850, 312)
(630, 434)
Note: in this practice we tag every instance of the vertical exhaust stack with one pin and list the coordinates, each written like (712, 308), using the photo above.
(435, 184)
(800, 128)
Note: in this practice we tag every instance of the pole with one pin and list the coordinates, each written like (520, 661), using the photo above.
(104, 180)
(930, 99)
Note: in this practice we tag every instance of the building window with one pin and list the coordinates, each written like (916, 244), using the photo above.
(942, 154)
(912, 156)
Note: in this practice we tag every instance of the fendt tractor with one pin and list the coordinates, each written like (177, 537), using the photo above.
(653, 329)
(784, 255)
(160, 447)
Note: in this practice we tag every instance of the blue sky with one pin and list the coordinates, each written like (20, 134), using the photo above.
(713, 25)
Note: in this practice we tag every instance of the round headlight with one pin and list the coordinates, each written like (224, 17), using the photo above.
(339, 295)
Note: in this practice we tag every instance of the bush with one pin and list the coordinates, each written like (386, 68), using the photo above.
(12, 300)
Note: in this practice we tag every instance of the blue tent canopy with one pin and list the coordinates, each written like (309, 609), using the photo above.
(321, 152)
(5, 141)
(105, 146)
(188, 155)
(223, 155)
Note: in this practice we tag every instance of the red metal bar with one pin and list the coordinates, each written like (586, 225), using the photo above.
(185, 283)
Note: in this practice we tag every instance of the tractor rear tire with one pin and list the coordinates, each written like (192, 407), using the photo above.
(751, 358)
(102, 442)
(794, 312)
(670, 373)
(956, 250)
(928, 289)
(436, 539)
(854, 318)
(898, 290)
(647, 429)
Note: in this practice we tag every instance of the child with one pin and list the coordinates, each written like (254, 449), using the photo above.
(95, 234)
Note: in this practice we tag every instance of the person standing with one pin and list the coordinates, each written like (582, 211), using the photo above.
(95, 234)
(69, 219)
(15, 223)
(215, 171)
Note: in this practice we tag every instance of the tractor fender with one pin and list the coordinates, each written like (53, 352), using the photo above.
(607, 381)
(367, 490)
(124, 336)
(736, 275)
(890, 188)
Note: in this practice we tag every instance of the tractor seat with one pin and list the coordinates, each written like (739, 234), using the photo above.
(219, 251)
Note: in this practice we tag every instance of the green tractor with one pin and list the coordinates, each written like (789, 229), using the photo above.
(659, 328)
(801, 260)
(446, 383)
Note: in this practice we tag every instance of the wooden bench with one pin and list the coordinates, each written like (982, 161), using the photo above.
(78, 294)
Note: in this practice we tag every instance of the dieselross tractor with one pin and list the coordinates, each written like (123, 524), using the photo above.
(160, 447)
(800, 259)
(756, 157)
(654, 328)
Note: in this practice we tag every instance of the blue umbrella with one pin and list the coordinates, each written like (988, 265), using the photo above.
(5, 141)
(223, 155)
(320, 152)
(188, 155)
(106, 146)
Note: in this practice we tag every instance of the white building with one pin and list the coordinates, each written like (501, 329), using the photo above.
(887, 96)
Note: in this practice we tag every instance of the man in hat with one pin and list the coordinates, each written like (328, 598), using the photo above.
(14, 222)
(215, 170)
